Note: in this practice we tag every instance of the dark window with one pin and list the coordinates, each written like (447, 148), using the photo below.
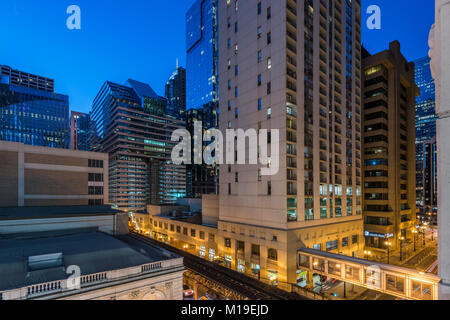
(95, 190)
(272, 254)
(95, 202)
(95, 177)
(95, 163)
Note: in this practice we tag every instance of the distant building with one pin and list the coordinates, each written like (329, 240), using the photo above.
(429, 204)
(79, 131)
(389, 148)
(40, 176)
(30, 111)
(134, 126)
(176, 88)
(425, 119)
(54, 243)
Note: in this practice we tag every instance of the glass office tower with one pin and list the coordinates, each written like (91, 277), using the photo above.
(202, 54)
(79, 131)
(31, 112)
(202, 86)
(425, 120)
(134, 126)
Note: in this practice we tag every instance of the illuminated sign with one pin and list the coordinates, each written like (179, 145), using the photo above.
(378, 235)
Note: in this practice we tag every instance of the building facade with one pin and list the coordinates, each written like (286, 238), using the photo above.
(429, 182)
(30, 111)
(201, 179)
(425, 120)
(133, 125)
(202, 53)
(389, 149)
(41, 176)
(294, 66)
(202, 83)
(79, 131)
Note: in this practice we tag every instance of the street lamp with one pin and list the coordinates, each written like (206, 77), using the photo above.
(367, 254)
(401, 242)
(388, 245)
(423, 234)
(414, 235)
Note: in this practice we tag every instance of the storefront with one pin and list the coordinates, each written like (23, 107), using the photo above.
(273, 277)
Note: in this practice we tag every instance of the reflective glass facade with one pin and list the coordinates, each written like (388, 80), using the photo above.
(79, 131)
(202, 54)
(425, 103)
(425, 119)
(31, 113)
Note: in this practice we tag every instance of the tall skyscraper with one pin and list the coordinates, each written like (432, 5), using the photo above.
(425, 119)
(133, 125)
(389, 149)
(202, 53)
(176, 88)
(294, 66)
(79, 131)
(202, 85)
(30, 111)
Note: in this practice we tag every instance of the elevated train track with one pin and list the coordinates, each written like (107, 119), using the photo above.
(243, 285)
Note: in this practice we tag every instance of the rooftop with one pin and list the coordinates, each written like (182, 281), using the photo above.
(54, 211)
(93, 252)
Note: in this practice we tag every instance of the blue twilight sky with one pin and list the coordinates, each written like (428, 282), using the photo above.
(142, 39)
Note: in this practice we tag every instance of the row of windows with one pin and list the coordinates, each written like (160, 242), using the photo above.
(182, 230)
(95, 163)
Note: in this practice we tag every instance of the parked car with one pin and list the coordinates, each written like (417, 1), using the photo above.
(187, 292)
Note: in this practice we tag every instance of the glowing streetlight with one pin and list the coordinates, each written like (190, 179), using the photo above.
(415, 235)
(388, 245)
(401, 243)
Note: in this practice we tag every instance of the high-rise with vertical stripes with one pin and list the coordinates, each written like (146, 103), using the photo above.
(294, 66)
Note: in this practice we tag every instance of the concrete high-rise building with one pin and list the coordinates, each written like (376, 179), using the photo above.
(294, 66)
(425, 120)
(440, 65)
(79, 131)
(389, 149)
(176, 88)
(31, 112)
(134, 126)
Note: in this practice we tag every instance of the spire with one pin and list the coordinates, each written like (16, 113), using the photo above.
(177, 63)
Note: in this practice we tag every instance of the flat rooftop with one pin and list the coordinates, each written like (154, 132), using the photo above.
(93, 252)
(54, 212)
